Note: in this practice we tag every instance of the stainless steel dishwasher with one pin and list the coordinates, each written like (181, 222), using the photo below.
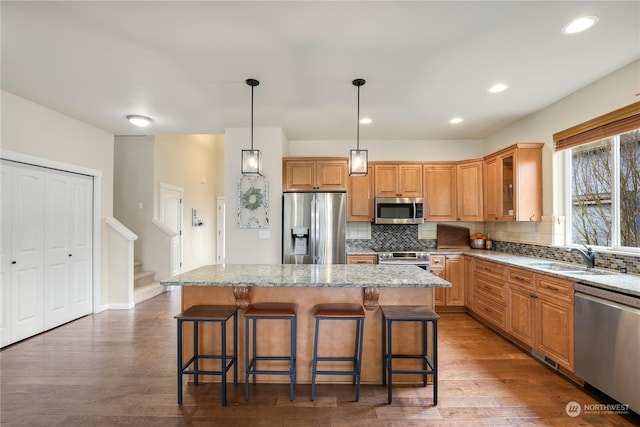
(607, 342)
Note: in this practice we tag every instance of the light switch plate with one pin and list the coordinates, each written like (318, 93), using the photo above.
(264, 234)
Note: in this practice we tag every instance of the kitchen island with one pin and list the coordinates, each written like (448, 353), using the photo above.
(308, 285)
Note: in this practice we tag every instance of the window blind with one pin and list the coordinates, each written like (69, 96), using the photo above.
(619, 121)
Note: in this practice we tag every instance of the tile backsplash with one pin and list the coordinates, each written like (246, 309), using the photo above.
(380, 237)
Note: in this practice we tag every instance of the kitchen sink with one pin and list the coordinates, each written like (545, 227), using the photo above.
(554, 266)
(589, 273)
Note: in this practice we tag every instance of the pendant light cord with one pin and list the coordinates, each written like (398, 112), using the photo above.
(251, 118)
(358, 127)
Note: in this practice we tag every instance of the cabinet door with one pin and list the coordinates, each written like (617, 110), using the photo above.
(360, 198)
(27, 238)
(438, 268)
(454, 273)
(386, 181)
(520, 314)
(490, 186)
(410, 180)
(331, 175)
(299, 175)
(507, 191)
(554, 330)
(469, 191)
(469, 266)
(440, 192)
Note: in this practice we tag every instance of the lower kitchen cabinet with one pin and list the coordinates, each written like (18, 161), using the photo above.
(489, 293)
(451, 269)
(362, 259)
(469, 282)
(520, 303)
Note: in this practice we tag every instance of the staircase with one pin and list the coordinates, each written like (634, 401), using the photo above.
(145, 285)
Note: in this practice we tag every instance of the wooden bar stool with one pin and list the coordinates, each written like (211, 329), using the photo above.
(339, 312)
(213, 314)
(409, 313)
(269, 311)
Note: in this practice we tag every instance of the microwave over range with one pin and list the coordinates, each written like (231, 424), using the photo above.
(399, 210)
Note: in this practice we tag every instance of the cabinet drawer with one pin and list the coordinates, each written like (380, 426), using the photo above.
(362, 259)
(487, 286)
(562, 290)
(437, 261)
(520, 277)
(491, 311)
(491, 268)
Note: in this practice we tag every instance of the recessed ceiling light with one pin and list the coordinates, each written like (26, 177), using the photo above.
(580, 24)
(456, 120)
(497, 88)
(365, 120)
(140, 121)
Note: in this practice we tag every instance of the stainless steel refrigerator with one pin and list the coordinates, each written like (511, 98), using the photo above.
(314, 228)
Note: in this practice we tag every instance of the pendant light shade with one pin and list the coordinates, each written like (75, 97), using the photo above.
(358, 159)
(252, 159)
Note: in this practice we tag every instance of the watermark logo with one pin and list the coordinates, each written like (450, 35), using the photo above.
(573, 409)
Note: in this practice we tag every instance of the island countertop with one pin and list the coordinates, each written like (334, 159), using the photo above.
(309, 275)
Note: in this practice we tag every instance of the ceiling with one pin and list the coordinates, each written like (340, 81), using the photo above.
(185, 63)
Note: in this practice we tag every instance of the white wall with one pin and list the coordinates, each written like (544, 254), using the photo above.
(33, 130)
(607, 94)
(419, 150)
(243, 245)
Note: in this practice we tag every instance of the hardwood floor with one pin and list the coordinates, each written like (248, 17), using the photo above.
(118, 368)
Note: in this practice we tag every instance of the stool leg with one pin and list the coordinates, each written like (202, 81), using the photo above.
(235, 349)
(434, 334)
(384, 350)
(223, 360)
(255, 349)
(179, 362)
(425, 337)
(315, 360)
(292, 357)
(246, 357)
(195, 352)
(389, 360)
(360, 339)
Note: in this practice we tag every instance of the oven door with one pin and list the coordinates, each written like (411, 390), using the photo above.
(425, 265)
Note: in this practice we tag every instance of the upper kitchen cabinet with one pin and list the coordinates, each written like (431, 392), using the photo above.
(360, 197)
(469, 190)
(314, 174)
(439, 192)
(513, 183)
(397, 179)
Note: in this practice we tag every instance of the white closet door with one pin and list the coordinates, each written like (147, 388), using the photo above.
(67, 247)
(27, 240)
(6, 171)
(81, 245)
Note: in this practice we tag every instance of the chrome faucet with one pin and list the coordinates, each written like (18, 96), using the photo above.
(589, 256)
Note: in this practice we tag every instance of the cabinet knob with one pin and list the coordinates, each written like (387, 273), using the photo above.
(13, 262)
(70, 254)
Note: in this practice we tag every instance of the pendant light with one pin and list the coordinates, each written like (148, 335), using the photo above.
(252, 159)
(358, 159)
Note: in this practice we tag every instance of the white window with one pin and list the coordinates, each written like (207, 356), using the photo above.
(603, 192)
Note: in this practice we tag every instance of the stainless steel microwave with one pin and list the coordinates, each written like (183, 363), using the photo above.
(399, 210)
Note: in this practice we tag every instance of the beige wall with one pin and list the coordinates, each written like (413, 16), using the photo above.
(193, 163)
(33, 130)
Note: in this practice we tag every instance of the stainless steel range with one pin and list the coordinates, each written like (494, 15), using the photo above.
(421, 259)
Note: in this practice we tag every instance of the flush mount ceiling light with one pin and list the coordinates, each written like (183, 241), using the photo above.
(497, 88)
(365, 120)
(456, 120)
(358, 159)
(579, 25)
(140, 121)
(252, 159)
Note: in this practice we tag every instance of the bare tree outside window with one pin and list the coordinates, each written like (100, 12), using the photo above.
(594, 174)
(630, 189)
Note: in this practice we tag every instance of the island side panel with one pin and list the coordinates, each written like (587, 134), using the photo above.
(273, 337)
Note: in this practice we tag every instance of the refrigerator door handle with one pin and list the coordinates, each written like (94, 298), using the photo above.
(312, 232)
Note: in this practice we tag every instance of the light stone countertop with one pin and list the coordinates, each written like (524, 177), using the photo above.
(605, 279)
(307, 275)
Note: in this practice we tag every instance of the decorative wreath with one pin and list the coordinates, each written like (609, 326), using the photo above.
(252, 199)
